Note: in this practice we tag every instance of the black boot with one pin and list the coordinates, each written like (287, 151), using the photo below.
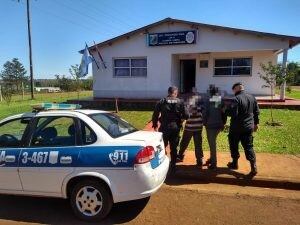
(233, 165)
(253, 171)
(179, 158)
(172, 168)
(199, 164)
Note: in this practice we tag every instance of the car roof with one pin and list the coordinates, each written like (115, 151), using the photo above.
(54, 112)
(72, 112)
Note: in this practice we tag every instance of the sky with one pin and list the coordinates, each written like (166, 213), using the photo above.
(60, 28)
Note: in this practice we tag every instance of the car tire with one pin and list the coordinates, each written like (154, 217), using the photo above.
(91, 200)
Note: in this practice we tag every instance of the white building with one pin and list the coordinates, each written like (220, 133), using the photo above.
(145, 62)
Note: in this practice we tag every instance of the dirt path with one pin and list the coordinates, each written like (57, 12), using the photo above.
(168, 206)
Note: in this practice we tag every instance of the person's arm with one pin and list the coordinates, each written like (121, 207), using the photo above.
(184, 112)
(155, 115)
(205, 112)
(233, 108)
(223, 114)
(255, 115)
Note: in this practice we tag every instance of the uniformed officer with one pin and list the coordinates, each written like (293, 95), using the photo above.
(244, 114)
(172, 112)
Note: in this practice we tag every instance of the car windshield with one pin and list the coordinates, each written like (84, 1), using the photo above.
(112, 124)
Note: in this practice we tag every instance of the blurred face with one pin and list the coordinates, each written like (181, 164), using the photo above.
(174, 94)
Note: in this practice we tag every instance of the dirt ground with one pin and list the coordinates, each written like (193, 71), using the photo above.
(169, 206)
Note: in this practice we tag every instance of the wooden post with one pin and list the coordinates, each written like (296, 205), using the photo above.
(30, 50)
(116, 105)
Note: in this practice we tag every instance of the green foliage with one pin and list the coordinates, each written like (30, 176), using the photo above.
(75, 83)
(7, 92)
(14, 73)
(274, 75)
(75, 73)
(294, 68)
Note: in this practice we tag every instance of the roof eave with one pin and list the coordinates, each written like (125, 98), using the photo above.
(293, 40)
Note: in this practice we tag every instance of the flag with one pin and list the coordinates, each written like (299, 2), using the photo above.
(85, 61)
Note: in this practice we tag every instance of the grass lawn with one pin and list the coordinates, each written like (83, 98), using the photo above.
(283, 140)
(295, 92)
(18, 105)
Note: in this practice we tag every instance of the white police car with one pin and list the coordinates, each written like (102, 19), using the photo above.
(92, 157)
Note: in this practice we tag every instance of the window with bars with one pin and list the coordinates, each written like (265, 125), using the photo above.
(130, 67)
(233, 67)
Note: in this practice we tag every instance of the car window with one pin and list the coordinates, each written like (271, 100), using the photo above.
(88, 135)
(112, 124)
(54, 131)
(11, 132)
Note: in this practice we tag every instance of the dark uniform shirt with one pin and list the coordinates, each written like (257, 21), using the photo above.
(244, 112)
(172, 112)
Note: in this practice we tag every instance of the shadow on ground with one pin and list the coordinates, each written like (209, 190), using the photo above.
(58, 211)
(190, 174)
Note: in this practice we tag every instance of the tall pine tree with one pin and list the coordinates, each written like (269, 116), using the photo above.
(14, 73)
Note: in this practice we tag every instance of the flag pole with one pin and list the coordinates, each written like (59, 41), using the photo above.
(92, 56)
(100, 56)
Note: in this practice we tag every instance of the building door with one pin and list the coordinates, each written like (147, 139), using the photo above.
(187, 75)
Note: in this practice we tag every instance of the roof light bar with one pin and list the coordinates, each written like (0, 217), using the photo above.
(55, 106)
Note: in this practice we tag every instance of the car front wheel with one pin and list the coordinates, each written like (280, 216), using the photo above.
(90, 200)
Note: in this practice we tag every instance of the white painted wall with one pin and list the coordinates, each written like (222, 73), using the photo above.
(253, 83)
(163, 68)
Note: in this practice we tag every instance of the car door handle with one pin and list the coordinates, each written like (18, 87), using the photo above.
(65, 159)
(10, 159)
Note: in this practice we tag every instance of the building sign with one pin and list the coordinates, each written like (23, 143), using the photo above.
(172, 38)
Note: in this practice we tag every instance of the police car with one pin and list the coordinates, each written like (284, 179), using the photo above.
(91, 157)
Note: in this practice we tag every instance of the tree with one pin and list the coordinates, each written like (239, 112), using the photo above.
(75, 73)
(87, 84)
(64, 83)
(14, 73)
(294, 67)
(274, 75)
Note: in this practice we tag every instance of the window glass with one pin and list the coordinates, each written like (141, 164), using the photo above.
(112, 124)
(242, 62)
(54, 131)
(233, 67)
(122, 72)
(241, 71)
(138, 72)
(11, 132)
(88, 135)
(139, 62)
(130, 67)
(121, 62)
(223, 71)
(223, 62)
